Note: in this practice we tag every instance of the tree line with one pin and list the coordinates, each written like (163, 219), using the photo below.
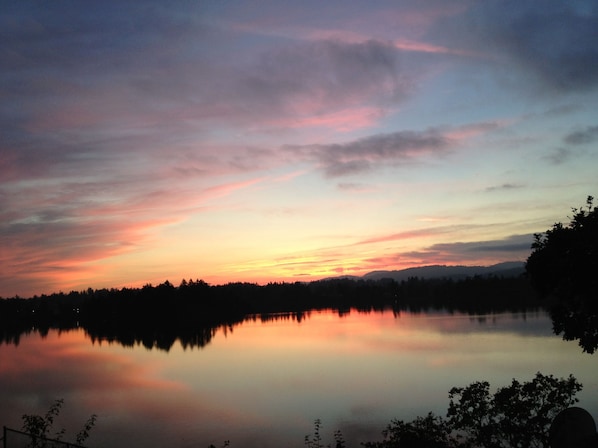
(157, 316)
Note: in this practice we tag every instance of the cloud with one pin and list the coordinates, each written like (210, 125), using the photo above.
(553, 41)
(514, 247)
(360, 155)
(401, 147)
(345, 120)
(423, 47)
(78, 89)
(79, 92)
(309, 77)
(55, 232)
(472, 130)
(402, 44)
(559, 156)
(513, 243)
(355, 187)
(57, 242)
(582, 137)
(507, 186)
(407, 235)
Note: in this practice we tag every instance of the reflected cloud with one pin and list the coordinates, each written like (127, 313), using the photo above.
(262, 382)
(64, 361)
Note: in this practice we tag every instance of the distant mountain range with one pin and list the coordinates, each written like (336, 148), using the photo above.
(507, 269)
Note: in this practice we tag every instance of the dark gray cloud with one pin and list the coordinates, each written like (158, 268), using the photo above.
(515, 244)
(92, 80)
(583, 136)
(552, 40)
(360, 155)
(507, 186)
(72, 78)
(514, 247)
(320, 74)
(71, 36)
(559, 156)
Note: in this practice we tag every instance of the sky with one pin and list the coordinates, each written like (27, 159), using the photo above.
(263, 141)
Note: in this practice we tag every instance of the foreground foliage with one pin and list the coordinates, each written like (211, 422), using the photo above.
(41, 427)
(518, 415)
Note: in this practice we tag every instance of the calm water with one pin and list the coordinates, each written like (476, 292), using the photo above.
(264, 383)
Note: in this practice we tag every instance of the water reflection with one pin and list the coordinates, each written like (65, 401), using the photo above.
(201, 335)
(263, 381)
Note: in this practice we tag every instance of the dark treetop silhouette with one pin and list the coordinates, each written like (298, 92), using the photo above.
(563, 266)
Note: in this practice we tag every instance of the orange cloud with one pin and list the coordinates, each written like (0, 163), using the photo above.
(60, 249)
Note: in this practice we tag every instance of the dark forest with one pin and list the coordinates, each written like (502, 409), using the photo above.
(157, 316)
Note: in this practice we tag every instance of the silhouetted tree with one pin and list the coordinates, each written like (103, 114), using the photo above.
(564, 266)
(39, 427)
(518, 415)
(515, 416)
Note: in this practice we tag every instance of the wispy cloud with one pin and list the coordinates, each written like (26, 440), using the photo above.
(356, 187)
(583, 136)
(309, 77)
(401, 147)
(515, 244)
(359, 155)
(507, 186)
(559, 156)
(408, 235)
(349, 119)
(60, 231)
(424, 47)
(554, 43)
(514, 248)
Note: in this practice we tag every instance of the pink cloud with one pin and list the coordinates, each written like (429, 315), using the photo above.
(228, 188)
(345, 120)
(423, 47)
(57, 236)
(403, 44)
(407, 235)
(474, 129)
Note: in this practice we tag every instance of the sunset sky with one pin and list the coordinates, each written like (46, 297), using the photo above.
(286, 140)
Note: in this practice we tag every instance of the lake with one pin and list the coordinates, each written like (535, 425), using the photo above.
(264, 382)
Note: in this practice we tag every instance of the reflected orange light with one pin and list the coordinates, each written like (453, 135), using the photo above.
(90, 369)
(370, 333)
